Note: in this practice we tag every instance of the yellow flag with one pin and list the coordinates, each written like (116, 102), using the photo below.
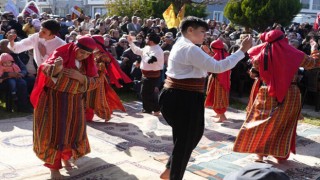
(170, 17)
(180, 15)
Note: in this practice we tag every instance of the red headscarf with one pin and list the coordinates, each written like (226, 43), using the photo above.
(263, 37)
(219, 54)
(113, 70)
(68, 54)
(278, 62)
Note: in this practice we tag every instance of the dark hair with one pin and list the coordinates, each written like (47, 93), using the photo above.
(52, 25)
(193, 22)
(154, 37)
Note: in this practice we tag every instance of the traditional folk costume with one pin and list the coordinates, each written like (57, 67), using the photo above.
(257, 82)
(59, 130)
(218, 84)
(104, 100)
(270, 126)
(151, 72)
(182, 98)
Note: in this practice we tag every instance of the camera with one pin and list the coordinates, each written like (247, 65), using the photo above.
(152, 59)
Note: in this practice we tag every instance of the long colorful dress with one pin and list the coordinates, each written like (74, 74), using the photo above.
(218, 84)
(104, 100)
(59, 114)
(270, 125)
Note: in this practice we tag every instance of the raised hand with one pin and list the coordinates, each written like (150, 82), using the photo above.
(246, 44)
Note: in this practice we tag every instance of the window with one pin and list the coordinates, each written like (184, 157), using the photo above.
(47, 10)
(62, 11)
(316, 5)
(305, 4)
(218, 16)
(101, 10)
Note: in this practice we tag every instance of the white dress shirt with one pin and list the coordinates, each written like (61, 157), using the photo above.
(186, 60)
(146, 53)
(32, 43)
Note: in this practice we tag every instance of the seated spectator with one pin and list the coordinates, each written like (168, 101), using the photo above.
(92, 31)
(86, 25)
(7, 65)
(72, 37)
(23, 104)
(127, 60)
(114, 34)
(121, 47)
(109, 45)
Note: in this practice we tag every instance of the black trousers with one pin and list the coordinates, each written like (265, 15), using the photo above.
(184, 112)
(148, 95)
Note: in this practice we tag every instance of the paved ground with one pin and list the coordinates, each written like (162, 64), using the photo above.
(135, 146)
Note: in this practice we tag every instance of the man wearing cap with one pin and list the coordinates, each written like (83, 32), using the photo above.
(42, 43)
(59, 116)
(152, 60)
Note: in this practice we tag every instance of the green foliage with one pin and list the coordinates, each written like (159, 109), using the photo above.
(263, 13)
(147, 8)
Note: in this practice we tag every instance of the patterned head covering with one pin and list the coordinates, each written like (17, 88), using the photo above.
(278, 62)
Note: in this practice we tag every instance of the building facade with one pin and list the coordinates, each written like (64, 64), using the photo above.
(311, 7)
(90, 7)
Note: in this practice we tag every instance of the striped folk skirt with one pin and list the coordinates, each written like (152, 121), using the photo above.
(59, 124)
(270, 127)
(217, 97)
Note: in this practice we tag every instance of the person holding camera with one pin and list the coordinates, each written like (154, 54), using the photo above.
(152, 60)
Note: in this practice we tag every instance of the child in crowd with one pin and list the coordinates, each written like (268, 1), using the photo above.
(7, 65)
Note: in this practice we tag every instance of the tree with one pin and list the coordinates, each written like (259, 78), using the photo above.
(155, 8)
(261, 14)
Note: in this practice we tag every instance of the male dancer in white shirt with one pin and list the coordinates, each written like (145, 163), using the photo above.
(43, 43)
(152, 60)
(182, 98)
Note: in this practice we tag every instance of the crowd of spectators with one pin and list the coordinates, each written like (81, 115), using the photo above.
(115, 30)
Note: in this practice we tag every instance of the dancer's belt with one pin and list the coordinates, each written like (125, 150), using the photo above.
(151, 74)
(189, 84)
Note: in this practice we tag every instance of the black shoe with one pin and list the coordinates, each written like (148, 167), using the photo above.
(145, 111)
(14, 97)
